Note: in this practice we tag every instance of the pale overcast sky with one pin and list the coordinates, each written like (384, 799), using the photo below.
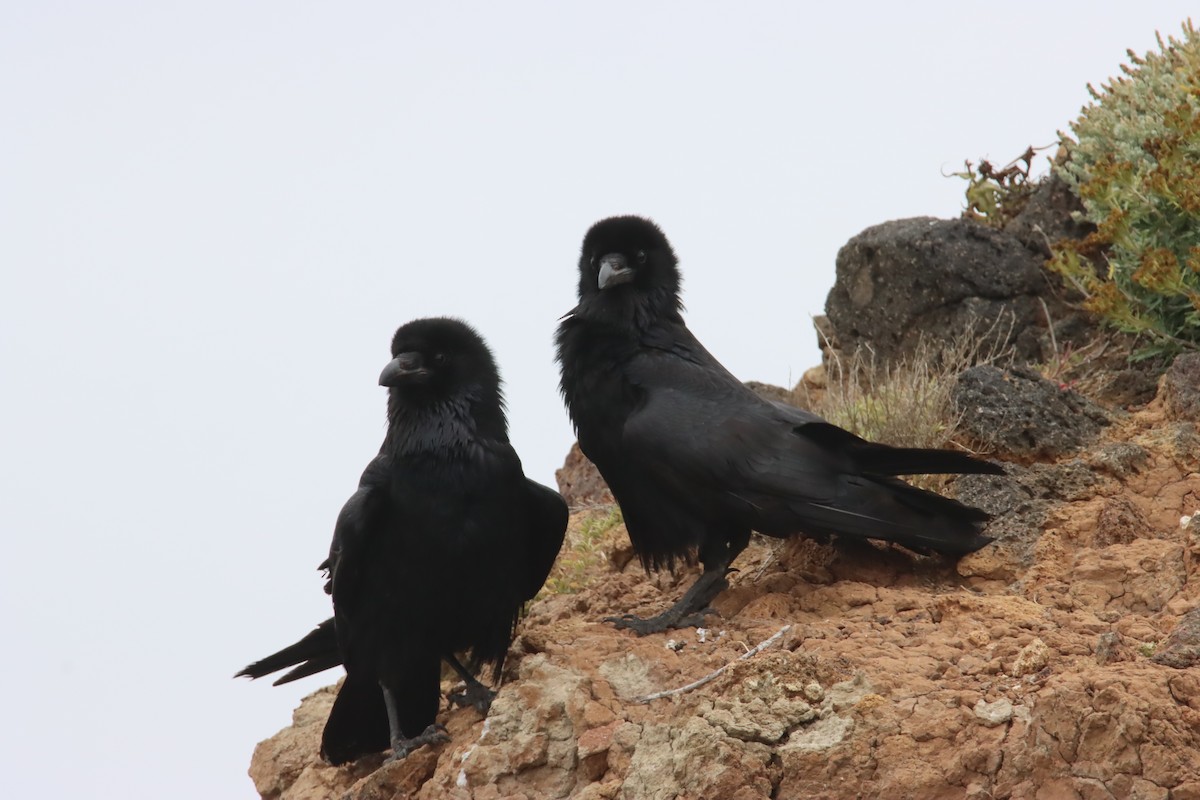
(214, 215)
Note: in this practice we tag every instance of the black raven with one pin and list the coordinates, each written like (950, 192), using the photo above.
(696, 460)
(435, 554)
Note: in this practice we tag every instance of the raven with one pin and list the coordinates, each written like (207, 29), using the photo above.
(696, 460)
(434, 555)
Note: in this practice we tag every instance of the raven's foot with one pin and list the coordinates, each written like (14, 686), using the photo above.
(668, 620)
(475, 694)
(401, 747)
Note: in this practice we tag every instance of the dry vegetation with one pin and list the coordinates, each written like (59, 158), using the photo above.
(905, 403)
(588, 542)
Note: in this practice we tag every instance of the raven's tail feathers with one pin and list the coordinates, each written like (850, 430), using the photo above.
(891, 510)
(358, 721)
(316, 652)
(883, 460)
(871, 458)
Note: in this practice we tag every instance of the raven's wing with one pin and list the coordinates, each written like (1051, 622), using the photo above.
(548, 515)
(698, 437)
(357, 522)
(321, 648)
(699, 433)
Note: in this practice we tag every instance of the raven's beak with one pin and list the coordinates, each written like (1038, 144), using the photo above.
(402, 367)
(614, 270)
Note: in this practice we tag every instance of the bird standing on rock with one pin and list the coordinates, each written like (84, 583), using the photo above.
(697, 461)
(434, 555)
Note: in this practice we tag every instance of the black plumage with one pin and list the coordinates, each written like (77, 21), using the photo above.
(316, 652)
(434, 555)
(696, 460)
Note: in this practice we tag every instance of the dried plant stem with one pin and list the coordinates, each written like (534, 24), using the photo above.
(758, 648)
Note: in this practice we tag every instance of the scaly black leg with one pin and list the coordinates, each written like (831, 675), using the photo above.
(692, 608)
(688, 612)
(402, 745)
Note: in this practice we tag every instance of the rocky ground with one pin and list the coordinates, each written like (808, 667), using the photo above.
(1052, 664)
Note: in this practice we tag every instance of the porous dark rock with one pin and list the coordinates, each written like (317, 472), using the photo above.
(1049, 216)
(1069, 480)
(1019, 413)
(1119, 459)
(1181, 387)
(1181, 442)
(1120, 521)
(1018, 512)
(1108, 648)
(1182, 647)
(928, 280)
(1023, 501)
(1132, 386)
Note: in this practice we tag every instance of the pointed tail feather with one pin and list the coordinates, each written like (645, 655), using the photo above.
(357, 723)
(891, 510)
(316, 652)
(881, 459)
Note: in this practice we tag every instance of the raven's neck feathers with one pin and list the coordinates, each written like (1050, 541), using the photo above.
(443, 424)
(636, 311)
(595, 341)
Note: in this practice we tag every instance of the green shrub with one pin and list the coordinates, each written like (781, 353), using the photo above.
(1134, 163)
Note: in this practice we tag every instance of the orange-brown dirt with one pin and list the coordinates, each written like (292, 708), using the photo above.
(1028, 670)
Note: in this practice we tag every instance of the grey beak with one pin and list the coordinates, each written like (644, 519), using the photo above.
(402, 366)
(614, 270)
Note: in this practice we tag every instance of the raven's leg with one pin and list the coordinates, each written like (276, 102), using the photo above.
(476, 694)
(402, 745)
(716, 556)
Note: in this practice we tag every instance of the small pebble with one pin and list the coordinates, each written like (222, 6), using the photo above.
(994, 714)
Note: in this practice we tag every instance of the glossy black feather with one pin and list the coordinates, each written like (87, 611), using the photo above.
(316, 652)
(695, 459)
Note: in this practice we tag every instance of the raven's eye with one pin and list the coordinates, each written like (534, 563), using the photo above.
(439, 358)
(641, 256)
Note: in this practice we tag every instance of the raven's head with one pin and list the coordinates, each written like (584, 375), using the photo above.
(626, 256)
(439, 359)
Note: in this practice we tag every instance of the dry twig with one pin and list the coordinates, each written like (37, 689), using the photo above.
(646, 698)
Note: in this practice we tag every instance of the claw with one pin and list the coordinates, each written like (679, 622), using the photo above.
(475, 694)
(434, 734)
